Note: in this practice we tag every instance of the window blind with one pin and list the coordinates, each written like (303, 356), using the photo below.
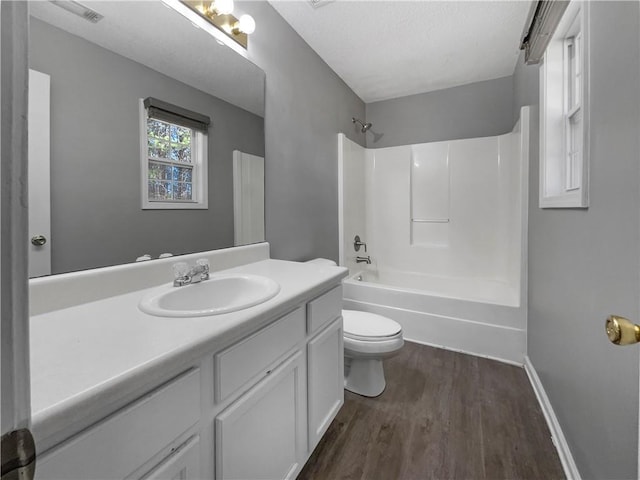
(161, 110)
(543, 20)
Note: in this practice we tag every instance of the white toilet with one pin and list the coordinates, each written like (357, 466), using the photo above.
(368, 339)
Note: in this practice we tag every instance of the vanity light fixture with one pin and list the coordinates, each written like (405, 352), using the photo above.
(219, 14)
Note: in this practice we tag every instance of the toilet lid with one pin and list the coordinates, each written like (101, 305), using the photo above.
(365, 325)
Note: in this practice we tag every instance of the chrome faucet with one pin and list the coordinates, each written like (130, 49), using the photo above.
(357, 244)
(185, 275)
(366, 260)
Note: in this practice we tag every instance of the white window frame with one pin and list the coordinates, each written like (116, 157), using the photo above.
(199, 152)
(564, 165)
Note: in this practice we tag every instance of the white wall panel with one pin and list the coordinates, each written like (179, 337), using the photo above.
(351, 179)
(430, 182)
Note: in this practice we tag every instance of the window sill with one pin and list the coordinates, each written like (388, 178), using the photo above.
(570, 200)
(174, 206)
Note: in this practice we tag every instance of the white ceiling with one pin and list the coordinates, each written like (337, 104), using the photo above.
(154, 35)
(388, 49)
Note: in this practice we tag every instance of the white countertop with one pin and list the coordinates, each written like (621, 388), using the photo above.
(89, 357)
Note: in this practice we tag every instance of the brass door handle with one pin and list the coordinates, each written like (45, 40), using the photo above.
(622, 331)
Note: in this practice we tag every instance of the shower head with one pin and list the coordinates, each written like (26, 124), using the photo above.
(365, 126)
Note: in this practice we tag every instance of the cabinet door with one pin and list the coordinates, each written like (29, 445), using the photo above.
(183, 464)
(326, 380)
(263, 434)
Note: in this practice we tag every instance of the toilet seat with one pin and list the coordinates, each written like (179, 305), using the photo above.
(369, 327)
(376, 349)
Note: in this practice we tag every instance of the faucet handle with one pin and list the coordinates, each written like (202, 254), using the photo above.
(204, 263)
(180, 269)
(357, 244)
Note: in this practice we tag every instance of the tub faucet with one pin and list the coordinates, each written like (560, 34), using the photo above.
(357, 244)
(186, 275)
(366, 260)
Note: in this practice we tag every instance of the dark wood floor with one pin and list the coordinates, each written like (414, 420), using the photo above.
(443, 415)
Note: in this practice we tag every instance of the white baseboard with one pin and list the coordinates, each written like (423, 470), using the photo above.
(568, 464)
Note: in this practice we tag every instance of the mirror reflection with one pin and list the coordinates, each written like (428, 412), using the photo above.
(120, 168)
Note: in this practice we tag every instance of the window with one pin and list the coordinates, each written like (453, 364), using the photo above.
(174, 159)
(564, 113)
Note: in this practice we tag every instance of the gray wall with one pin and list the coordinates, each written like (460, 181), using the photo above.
(526, 81)
(95, 181)
(307, 105)
(478, 109)
(583, 264)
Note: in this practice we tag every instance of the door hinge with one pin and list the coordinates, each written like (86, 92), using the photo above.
(18, 455)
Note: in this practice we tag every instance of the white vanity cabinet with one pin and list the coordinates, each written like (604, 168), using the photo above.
(253, 408)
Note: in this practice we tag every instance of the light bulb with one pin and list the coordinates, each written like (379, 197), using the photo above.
(222, 7)
(246, 24)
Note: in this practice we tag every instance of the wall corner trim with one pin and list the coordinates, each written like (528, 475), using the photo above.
(557, 436)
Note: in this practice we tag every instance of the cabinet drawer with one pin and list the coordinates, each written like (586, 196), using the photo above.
(324, 309)
(123, 442)
(247, 361)
(183, 464)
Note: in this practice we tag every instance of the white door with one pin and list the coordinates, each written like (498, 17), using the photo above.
(39, 169)
(248, 198)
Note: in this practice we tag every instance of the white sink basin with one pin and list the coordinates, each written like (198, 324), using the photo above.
(220, 294)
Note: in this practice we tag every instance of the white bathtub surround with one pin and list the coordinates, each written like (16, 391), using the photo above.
(102, 353)
(351, 198)
(445, 222)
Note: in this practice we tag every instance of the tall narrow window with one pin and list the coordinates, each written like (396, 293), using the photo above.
(173, 156)
(563, 116)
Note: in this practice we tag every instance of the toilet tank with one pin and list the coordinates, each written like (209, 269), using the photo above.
(323, 261)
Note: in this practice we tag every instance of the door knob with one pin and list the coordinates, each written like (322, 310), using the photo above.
(621, 331)
(38, 240)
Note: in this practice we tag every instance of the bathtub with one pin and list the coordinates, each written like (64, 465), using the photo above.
(477, 316)
(482, 290)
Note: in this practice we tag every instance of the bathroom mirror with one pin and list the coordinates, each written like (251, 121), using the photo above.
(98, 75)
